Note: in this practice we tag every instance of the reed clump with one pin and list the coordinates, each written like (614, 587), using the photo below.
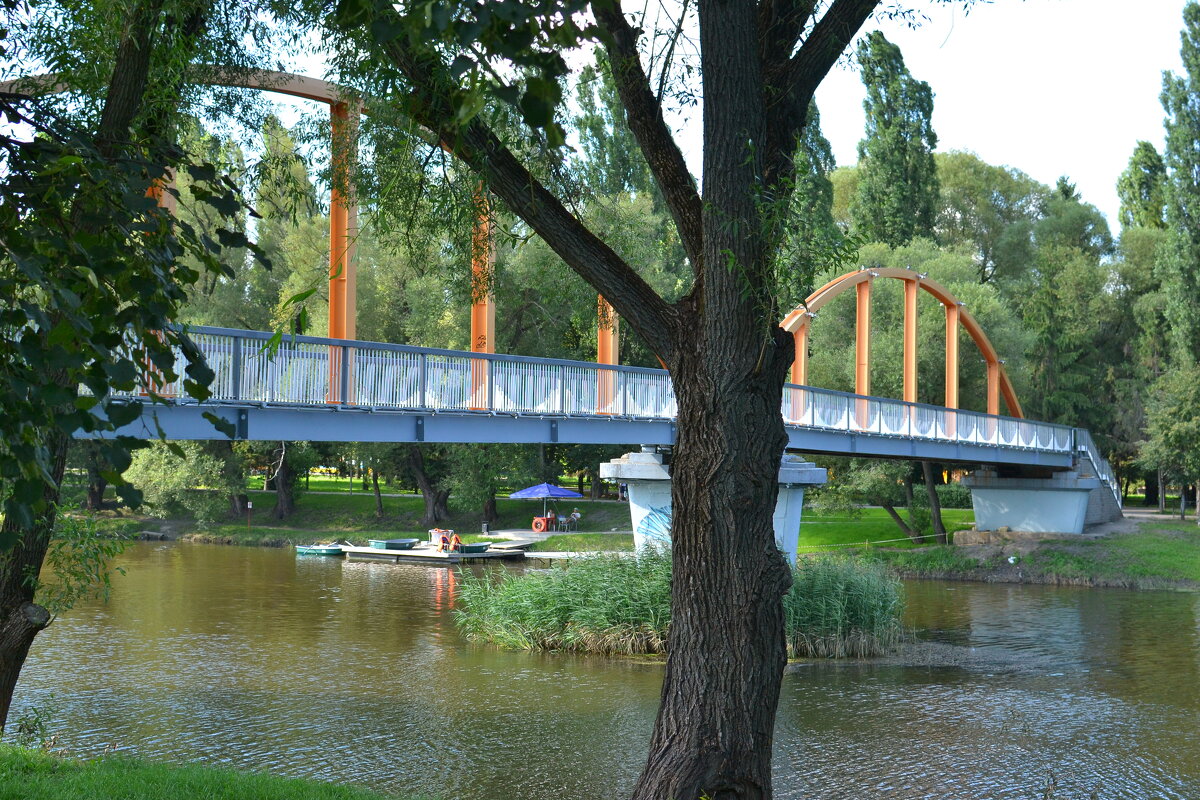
(842, 608)
(616, 605)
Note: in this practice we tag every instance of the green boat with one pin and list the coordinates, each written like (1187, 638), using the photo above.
(318, 549)
(475, 547)
(393, 544)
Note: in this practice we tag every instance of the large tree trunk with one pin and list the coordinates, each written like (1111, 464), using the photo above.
(20, 618)
(285, 499)
(434, 497)
(935, 503)
(489, 510)
(726, 647)
(1162, 493)
(378, 495)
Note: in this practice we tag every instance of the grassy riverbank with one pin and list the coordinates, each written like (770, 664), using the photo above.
(353, 517)
(1157, 554)
(35, 775)
(621, 606)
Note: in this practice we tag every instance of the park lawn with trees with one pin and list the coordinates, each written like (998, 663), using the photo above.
(699, 274)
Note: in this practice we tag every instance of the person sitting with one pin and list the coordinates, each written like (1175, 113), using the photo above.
(455, 543)
(444, 541)
(572, 522)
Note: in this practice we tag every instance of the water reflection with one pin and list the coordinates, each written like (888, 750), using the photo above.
(353, 671)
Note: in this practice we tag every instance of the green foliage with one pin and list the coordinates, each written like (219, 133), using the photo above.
(32, 775)
(189, 478)
(812, 241)
(81, 239)
(840, 608)
(1142, 189)
(78, 562)
(1067, 313)
(898, 181)
(1174, 425)
(603, 604)
(987, 209)
(1180, 262)
(621, 605)
(31, 728)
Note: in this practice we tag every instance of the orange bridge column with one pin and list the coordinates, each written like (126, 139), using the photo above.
(343, 230)
(952, 355)
(993, 387)
(800, 363)
(910, 341)
(483, 297)
(862, 340)
(607, 352)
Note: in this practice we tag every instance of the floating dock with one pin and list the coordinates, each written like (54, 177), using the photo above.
(430, 555)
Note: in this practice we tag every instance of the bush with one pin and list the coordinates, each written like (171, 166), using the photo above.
(619, 605)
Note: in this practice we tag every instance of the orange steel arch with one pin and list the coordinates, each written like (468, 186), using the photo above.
(797, 323)
(344, 111)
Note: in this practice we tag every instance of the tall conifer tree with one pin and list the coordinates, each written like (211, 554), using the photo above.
(898, 186)
(1179, 265)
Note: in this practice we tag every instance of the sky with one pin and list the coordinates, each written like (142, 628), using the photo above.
(1050, 87)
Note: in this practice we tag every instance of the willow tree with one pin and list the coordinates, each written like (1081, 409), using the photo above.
(759, 65)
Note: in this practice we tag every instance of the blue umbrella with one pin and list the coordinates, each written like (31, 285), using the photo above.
(543, 492)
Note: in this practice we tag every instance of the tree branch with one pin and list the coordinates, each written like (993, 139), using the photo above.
(790, 80)
(430, 105)
(828, 40)
(644, 114)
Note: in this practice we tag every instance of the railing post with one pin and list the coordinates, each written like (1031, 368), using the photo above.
(421, 380)
(490, 366)
(235, 364)
(344, 378)
(562, 389)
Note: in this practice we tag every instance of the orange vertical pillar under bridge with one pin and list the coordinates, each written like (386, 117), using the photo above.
(343, 230)
(483, 298)
(608, 346)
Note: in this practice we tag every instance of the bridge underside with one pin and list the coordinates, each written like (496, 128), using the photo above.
(358, 424)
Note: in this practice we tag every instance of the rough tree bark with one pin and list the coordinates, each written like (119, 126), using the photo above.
(21, 620)
(284, 482)
(935, 503)
(378, 495)
(721, 343)
(435, 497)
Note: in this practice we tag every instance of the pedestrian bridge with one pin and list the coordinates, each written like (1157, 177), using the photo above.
(319, 389)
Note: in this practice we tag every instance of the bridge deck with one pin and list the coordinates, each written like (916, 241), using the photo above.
(316, 389)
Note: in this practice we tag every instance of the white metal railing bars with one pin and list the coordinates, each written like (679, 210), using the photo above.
(305, 370)
(1104, 470)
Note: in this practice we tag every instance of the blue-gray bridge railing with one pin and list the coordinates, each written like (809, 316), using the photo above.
(318, 372)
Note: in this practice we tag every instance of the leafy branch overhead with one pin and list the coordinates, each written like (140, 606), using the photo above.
(93, 272)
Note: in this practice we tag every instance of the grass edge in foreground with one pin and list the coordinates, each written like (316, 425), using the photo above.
(38, 775)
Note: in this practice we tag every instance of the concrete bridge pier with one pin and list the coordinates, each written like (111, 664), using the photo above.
(648, 479)
(1060, 502)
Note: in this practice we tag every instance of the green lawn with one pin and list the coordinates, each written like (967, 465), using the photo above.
(585, 542)
(352, 517)
(1158, 550)
(820, 530)
(34, 775)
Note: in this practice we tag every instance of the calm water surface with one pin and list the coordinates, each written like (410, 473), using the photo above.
(353, 672)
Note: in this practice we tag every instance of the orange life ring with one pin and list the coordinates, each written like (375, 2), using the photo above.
(539, 524)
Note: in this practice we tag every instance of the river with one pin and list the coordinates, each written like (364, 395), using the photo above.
(353, 672)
